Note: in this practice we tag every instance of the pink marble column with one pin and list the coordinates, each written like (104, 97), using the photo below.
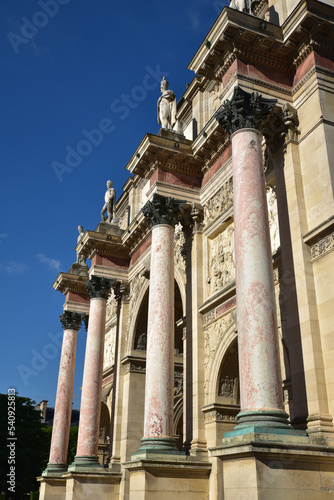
(158, 420)
(90, 409)
(159, 381)
(63, 409)
(259, 364)
(260, 377)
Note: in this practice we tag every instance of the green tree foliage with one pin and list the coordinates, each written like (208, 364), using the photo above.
(32, 446)
(72, 445)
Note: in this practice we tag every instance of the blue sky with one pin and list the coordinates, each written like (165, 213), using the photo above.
(68, 67)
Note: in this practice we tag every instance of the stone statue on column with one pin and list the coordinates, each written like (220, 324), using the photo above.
(166, 106)
(109, 203)
(80, 258)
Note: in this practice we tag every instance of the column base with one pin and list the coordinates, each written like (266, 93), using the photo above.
(155, 447)
(53, 469)
(83, 463)
(263, 421)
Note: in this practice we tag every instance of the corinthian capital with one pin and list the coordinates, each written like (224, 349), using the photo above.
(99, 287)
(162, 210)
(245, 110)
(71, 320)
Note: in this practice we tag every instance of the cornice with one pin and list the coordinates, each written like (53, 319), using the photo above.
(103, 244)
(66, 282)
(174, 154)
(239, 35)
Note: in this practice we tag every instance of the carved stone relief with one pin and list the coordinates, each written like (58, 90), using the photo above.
(111, 309)
(213, 335)
(219, 203)
(221, 260)
(213, 416)
(273, 219)
(179, 248)
(323, 246)
(109, 348)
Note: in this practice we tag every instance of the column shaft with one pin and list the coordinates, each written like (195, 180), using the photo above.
(260, 378)
(92, 383)
(63, 407)
(158, 421)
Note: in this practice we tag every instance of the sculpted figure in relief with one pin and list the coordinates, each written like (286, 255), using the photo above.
(222, 265)
(273, 219)
(109, 203)
(227, 387)
(166, 106)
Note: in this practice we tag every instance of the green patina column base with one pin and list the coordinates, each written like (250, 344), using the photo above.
(53, 469)
(266, 422)
(84, 462)
(155, 448)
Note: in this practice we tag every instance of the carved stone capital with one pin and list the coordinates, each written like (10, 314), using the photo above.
(245, 110)
(99, 287)
(71, 320)
(163, 210)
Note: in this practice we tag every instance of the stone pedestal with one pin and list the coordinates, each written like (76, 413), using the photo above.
(158, 420)
(63, 409)
(265, 465)
(166, 479)
(52, 488)
(87, 448)
(92, 483)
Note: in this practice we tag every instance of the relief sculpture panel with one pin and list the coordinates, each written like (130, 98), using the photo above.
(219, 203)
(109, 348)
(221, 260)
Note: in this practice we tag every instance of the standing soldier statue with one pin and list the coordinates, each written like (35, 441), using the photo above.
(109, 203)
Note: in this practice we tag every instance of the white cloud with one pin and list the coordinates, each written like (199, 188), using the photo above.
(51, 263)
(13, 267)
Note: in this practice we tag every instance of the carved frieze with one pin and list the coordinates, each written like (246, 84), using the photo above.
(221, 260)
(219, 203)
(213, 416)
(323, 246)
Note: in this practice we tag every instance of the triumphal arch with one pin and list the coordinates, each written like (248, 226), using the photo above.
(208, 298)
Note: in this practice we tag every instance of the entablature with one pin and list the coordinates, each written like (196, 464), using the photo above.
(68, 282)
(238, 35)
(172, 153)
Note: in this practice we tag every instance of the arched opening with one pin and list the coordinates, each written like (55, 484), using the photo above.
(140, 337)
(104, 436)
(228, 380)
